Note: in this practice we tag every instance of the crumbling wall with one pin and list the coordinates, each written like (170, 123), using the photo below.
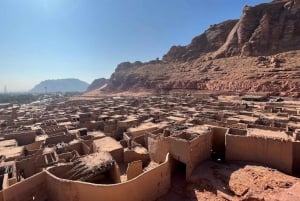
(274, 153)
(147, 186)
(158, 148)
(134, 169)
(22, 138)
(130, 156)
(60, 138)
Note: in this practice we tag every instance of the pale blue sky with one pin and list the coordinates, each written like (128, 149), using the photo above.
(86, 39)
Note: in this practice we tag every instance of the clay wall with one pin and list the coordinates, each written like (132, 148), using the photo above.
(60, 138)
(53, 130)
(158, 148)
(236, 131)
(77, 147)
(115, 173)
(86, 149)
(134, 169)
(179, 149)
(45, 160)
(200, 150)
(34, 146)
(110, 129)
(130, 156)
(127, 124)
(296, 157)
(140, 140)
(191, 152)
(27, 167)
(266, 127)
(271, 152)
(141, 132)
(66, 157)
(91, 125)
(118, 155)
(23, 138)
(33, 188)
(147, 186)
(61, 171)
(5, 183)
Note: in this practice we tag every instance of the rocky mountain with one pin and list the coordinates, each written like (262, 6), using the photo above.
(260, 52)
(60, 85)
(97, 83)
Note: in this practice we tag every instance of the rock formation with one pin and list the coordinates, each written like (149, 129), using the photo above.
(264, 29)
(258, 53)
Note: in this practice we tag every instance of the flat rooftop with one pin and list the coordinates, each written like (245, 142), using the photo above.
(8, 143)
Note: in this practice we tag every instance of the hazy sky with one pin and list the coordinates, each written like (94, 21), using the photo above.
(86, 39)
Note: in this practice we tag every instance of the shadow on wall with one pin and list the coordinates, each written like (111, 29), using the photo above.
(218, 151)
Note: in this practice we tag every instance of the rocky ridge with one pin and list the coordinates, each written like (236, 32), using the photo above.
(260, 52)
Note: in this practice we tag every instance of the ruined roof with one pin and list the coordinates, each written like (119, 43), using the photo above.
(12, 152)
(200, 130)
(106, 144)
(267, 133)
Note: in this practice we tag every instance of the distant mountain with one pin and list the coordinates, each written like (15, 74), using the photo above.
(60, 85)
(97, 83)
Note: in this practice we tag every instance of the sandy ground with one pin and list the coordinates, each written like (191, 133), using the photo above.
(234, 181)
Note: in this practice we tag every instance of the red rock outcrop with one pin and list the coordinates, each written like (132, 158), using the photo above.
(264, 29)
(260, 52)
(211, 40)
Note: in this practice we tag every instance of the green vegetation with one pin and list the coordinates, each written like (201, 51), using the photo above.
(18, 98)
(25, 98)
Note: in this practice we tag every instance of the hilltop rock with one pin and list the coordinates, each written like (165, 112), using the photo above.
(209, 41)
(97, 83)
(264, 30)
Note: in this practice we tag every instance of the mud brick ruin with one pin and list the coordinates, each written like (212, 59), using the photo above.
(130, 148)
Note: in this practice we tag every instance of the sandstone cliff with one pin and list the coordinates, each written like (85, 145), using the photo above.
(260, 52)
